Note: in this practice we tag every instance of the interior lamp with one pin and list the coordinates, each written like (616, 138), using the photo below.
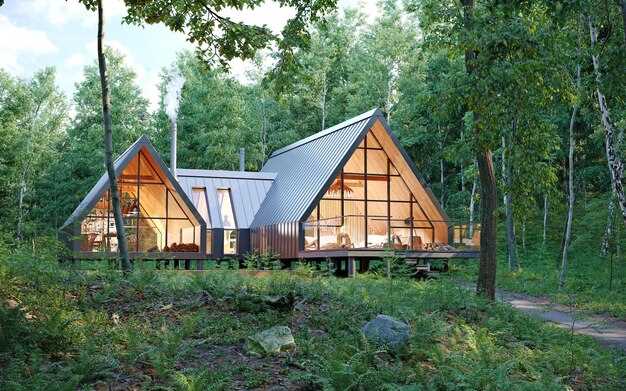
(335, 189)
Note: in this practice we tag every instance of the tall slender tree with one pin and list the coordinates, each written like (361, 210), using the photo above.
(570, 181)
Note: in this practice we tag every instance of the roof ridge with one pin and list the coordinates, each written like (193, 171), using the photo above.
(199, 172)
(328, 131)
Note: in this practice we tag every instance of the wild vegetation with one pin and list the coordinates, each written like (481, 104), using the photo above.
(63, 328)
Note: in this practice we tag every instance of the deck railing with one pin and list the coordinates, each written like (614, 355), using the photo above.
(379, 232)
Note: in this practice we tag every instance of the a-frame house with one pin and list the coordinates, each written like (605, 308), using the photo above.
(349, 190)
(160, 221)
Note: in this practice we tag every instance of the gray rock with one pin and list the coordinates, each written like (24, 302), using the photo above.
(387, 331)
(270, 342)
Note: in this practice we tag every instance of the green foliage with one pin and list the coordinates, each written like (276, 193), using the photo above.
(587, 284)
(266, 260)
(75, 329)
(220, 39)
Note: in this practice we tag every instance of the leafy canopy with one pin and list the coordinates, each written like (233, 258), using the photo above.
(220, 39)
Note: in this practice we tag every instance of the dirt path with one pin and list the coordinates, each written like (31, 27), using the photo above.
(608, 330)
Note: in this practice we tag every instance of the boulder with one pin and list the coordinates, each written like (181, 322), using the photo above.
(270, 342)
(387, 331)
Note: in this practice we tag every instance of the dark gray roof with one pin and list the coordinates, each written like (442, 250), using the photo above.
(247, 189)
(120, 164)
(306, 168)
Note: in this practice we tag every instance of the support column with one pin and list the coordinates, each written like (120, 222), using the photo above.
(351, 267)
(200, 265)
(363, 265)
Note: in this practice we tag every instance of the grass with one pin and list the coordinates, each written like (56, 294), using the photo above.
(588, 276)
(62, 328)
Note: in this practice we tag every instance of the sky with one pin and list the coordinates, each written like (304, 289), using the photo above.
(39, 33)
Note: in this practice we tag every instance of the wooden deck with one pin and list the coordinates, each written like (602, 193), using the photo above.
(140, 256)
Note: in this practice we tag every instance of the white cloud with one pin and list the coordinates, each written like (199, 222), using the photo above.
(61, 12)
(75, 60)
(23, 44)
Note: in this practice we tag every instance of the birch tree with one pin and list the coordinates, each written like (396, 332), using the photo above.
(614, 160)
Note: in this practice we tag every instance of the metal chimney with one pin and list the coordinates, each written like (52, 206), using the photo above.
(242, 159)
(173, 149)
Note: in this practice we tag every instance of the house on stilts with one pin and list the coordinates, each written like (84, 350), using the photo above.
(348, 193)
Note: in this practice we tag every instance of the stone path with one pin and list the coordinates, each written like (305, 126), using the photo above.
(608, 330)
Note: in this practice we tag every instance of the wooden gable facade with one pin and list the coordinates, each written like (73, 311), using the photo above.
(160, 221)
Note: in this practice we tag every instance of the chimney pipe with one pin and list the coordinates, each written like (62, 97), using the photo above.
(242, 159)
(173, 149)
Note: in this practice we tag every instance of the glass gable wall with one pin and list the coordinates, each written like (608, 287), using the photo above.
(155, 217)
(368, 205)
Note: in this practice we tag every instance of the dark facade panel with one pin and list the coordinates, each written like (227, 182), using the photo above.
(278, 239)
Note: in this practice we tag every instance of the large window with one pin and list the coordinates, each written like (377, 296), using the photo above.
(228, 221)
(201, 204)
(155, 216)
(226, 209)
(368, 205)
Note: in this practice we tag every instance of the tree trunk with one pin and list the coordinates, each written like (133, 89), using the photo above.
(486, 284)
(545, 221)
(524, 233)
(623, 6)
(488, 202)
(264, 129)
(441, 175)
(618, 244)
(462, 177)
(462, 171)
(570, 213)
(604, 247)
(510, 223)
(20, 207)
(389, 98)
(26, 168)
(324, 93)
(615, 164)
(471, 208)
(108, 146)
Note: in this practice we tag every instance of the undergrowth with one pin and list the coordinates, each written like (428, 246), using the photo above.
(588, 283)
(62, 329)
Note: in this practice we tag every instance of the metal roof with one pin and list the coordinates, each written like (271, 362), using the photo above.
(247, 190)
(120, 164)
(308, 167)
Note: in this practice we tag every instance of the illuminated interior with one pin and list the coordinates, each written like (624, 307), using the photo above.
(155, 217)
(369, 205)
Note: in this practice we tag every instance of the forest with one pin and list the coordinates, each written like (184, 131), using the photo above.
(531, 93)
